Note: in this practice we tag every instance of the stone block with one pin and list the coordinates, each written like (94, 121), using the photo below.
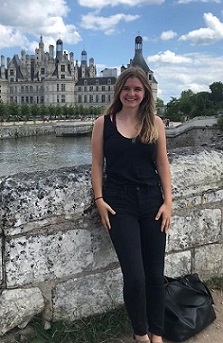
(178, 264)
(198, 227)
(39, 258)
(1, 264)
(18, 307)
(87, 295)
(208, 261)
(195, 171)
(212, 196)
(63, 192)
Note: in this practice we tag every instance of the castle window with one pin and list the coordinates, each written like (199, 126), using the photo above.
(62, 68)
(62, 76)
(58, 87)
(63, 87)
(79, 89)
(63, 98)
(11, 72)
(91, 88)
(97, 82)
(109, 81)
(85, 82)
(85, 89)
(103, 88)
(103, 98)
(42, 71)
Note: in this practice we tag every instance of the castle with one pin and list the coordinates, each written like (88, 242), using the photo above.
(52, 78)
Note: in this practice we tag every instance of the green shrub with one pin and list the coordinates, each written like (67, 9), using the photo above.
(220, 122)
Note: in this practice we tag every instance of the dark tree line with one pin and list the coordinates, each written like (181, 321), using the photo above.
(191, 105)
(10, 112)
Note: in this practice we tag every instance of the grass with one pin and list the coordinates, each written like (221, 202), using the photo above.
(108, 327)
(100, 328)
(216, 282)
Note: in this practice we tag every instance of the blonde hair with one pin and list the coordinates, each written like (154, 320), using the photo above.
(147, 131)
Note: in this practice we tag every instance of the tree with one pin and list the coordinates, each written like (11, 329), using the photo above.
(35, 111)
(172, 110)
(2, 111)
(217, 94)
(13, 111)
(159, 102)
(25, 111)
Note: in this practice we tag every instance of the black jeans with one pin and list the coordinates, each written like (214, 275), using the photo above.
(140, 247)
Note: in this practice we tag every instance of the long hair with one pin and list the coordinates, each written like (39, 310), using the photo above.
(147, 131)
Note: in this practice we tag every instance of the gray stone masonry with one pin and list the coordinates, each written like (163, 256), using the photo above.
(58, 260)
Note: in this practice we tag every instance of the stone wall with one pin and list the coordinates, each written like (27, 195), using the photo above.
(193, 136)
(26, 130)
(58, 128)
(57, 259)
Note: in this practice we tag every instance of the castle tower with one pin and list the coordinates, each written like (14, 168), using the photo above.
(84, 63)
(138, 59)
(59, 49)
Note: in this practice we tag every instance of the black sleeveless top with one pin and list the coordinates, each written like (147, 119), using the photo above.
(128, 161)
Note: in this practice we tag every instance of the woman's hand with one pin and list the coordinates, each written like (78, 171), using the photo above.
(164, 213)
(104, 209)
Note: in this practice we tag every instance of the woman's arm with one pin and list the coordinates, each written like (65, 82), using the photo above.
(163, 168)
(97, 157)
(97, 171)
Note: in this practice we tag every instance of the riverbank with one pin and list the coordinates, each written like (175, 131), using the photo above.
(58, 128)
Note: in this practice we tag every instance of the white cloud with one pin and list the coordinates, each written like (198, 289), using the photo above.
(29, 13)
(166, 35)
(169, 57)
(112, 3)
(107, 24)
(211, 34)
(10, 37)
(190, 71)
(35, 18)
(189, 1)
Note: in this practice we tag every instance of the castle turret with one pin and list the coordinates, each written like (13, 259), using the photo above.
(59, 49)
(138, 59)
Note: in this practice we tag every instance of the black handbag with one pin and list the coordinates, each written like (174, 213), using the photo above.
(189, 307)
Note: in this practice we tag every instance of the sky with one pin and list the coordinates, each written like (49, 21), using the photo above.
(182, 39)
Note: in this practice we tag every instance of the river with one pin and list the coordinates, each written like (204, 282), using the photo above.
(36, 153)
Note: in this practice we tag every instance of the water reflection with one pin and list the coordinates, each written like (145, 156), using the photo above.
(37, 153)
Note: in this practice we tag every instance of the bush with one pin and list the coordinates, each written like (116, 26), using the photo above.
(220, 122)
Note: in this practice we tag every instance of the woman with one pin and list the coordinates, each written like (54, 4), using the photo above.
(135, 201)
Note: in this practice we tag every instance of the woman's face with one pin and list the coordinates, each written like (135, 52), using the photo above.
(132, 93)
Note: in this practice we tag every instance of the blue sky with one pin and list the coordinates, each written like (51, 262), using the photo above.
(182, 39)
